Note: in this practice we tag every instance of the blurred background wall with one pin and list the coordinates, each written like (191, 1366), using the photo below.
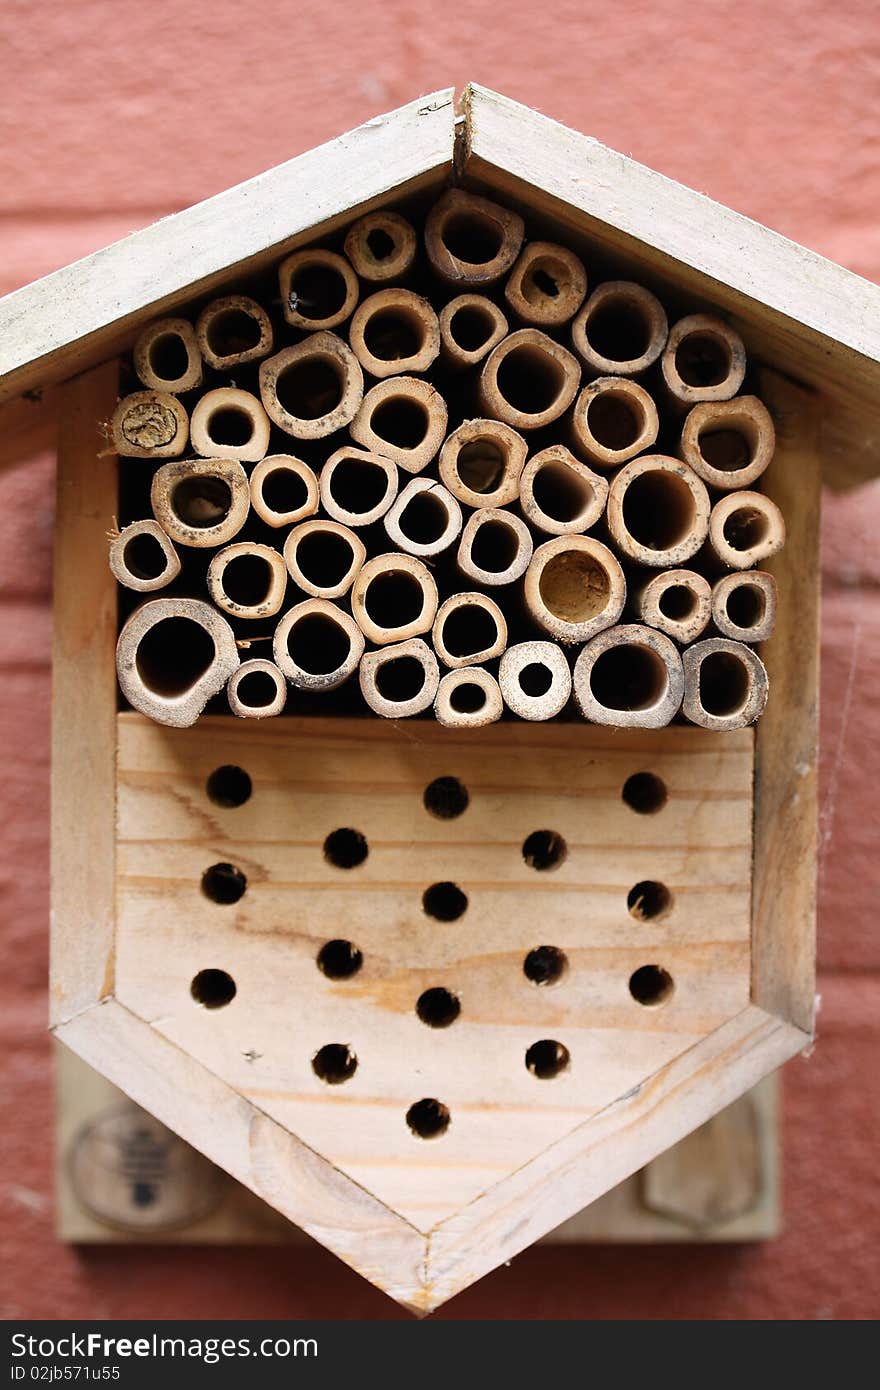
(117, 112)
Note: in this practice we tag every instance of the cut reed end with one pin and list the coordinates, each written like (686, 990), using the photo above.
(630, 676)
(726, 685)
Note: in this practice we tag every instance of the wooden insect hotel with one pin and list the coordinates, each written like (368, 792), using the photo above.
(436, 670)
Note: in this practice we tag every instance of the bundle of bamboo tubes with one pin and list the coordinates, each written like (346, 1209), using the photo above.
(432, 466)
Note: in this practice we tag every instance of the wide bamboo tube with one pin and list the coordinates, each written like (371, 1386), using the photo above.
(471, 241)
(574, 587)
(528, 380)
(149, 425)
(394, 597)
(142, 557)
(229, 424)
(546, 286)
(401, 680)
(658, 511)
(728, 443)
(317, 645)
(393, 332)
(357, 487)
(232, 331)
(559, 495)
(200, 502)
(403, 418)
(425, 520)
(468, 698)
(257, 690)
(746, 528)
(470, 327)
(314, 388)
(535, 680)
(469, 629)
(613, 420)
(381, 246)
(481, 462)
(704, 360)
(284, 490)
(744, 606)
(726, 685)
(167, 357)
(630, 676)
(319, 289)
(323, 557)
(247, 580)
(172, 656)
(621, 330)
(677, 602)
(495, 548)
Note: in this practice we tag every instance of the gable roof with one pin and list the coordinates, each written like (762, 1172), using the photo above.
(805, 315)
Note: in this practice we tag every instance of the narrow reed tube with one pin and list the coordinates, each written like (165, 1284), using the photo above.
(319, 289)
(621, 330)
(401, 680)
(726, 685)
(495, 548)
(559, 495)
(658, 511)
(284, 490)
(393, 332)
(728, 443)
(172, 656)
(470, 327)
(229, 424)
(257, 690)
(574, 587)
(677, 602)
(425, 520)
(528, 380)
(233, 331)
(394, 597)
(403, 418)
(167, 357)
(704, 360)
(535, 680)
(613, 420)
(314, 388)
(247, 580)
(468, 698)
(746, 528)
(481, 462)
(149, 425)
(471, 241)
(323, 557)
(317, 645)
(630, 676)
(469, 630)
(200, 502)
(381, 246)
(547, 285)
(142, 557)
(357, 487)
(744, 606)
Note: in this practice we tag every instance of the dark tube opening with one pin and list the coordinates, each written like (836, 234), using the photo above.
(614, 420)
(324, 558)
(702, 359)
(173, 655)
(201, 500)
(470, 327)
(401, 421)
(247, 580)
(628, 677)
(746, 605)
(677, 602)
(472, 237)
(494, 547)
(480, 464)
(318, 645)
(359, 485)
(469, 630)
(401, 679)
(724, 683)
(560, 493)
(394, 333)
(618, 330)
(168, 357)
(144, 557)
(317, 291)
(257, 689)
(233, 331)
(424, 519)
(310, 387)
(394, 599)
(284, 490)
(658, 510)
(530, 380)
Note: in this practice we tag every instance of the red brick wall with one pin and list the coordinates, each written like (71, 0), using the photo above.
(117, 113)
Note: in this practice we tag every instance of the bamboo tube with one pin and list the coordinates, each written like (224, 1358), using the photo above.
(401, 680)
(704, 360)
(394, 331)
(559, 495)
(621, 330)
(528, 380)
(468, 698)
(470, 327)
(381, 246)
(495, 548)
(425, 520)
(746, 528)
(172, 656)
(200, 502)
(744, 606)
(535, 680)
(229, 424)
(323, 557)
(728, 443)
(470, 241)
(630, 676)
(232, 331)
(725, 685)
(574, 587)
(469, 629)
(613, 420)
(247, 580)
(317, 645)
(357, 487)
(677, 602)
(314, 388)
(319, 289)
(394, 597)
(658, 511)
(257, 690)
(403, 418)
(167, 358)
(142, 557)
(284, 490)
(481, 463)
(149, 425)
(547, 284)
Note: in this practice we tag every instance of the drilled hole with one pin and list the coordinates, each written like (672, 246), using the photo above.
(727, 450)
(677, 602)
(256, 690)
(544, 849)
(144, 557)
(394, 599)
(746, 605)
(445, 902)
(467, 698)
(614, 421)
(173, 655)
(724, 683)
(233, 331)
(428, 1118)
(545, 965)
(648, 900)
(223, 883)
(318, 645)
(468, 630)
(381, 244)
(168, 356)
(310, 387)
(334, 1063)
(628, 677)
(345, 848)
(658, 510)
(424, 519)
(230, 427)
(480, 464)
(645, 793)
(702, 360)
(472, 238)
(560, 493)
(394, 333)
(745, 527)
(401, 679)
(471, 327)
(650, 985)
(494, 547)
(358, 485)
(547, 1058)
(339, 959)
(201, 500)
(535, 679)
(247, 580)
(618, 331)
(574, 586)
(212, 988)
(229, 786)
(317, 291)
(284, 491)
(438, 1007)
(324, 558)
(400, 421)
(446, 798)
(530, 380)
